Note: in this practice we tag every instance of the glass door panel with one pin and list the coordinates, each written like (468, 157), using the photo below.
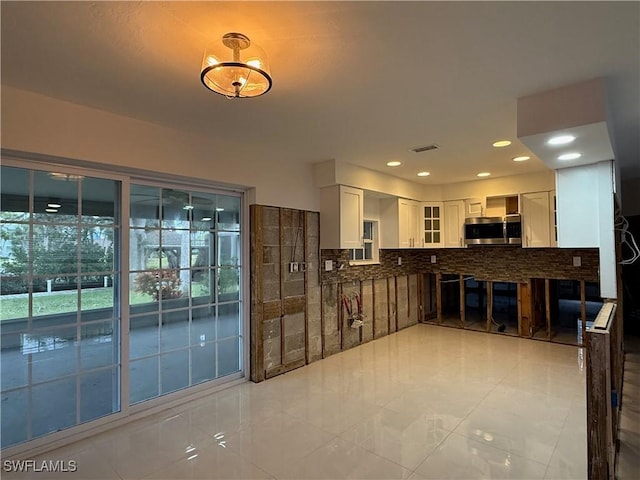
(60, 351)
(186, 283)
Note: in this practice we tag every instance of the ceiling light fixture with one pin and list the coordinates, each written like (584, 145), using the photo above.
(484, 174)
(51, 210)
(502, 143)
(394, 163)
(569, 156)
(523, 158)
(53, 205)
(235, 67)
(561, 140)
(424, 174)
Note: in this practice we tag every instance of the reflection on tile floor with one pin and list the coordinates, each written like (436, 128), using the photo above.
(424, 403)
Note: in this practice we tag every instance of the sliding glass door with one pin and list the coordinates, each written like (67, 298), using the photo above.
(185, 316)
(63, 250)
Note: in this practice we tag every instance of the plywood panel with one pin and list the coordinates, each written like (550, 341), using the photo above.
(295, 305)
(271, 310)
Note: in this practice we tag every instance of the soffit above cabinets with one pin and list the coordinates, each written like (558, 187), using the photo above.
(579, 111)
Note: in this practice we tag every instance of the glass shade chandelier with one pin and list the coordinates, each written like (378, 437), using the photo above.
(236, 68)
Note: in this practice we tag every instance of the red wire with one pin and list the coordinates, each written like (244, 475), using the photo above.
(347, 304)
(359, 302)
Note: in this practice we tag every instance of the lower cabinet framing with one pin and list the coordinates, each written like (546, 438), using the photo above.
(542, 308)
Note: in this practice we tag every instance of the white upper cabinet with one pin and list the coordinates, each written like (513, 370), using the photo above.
(409, 223)
(432, 225)
(400, 223)
(341, 217)
(536, 221)
(475, 207)
(454, 223)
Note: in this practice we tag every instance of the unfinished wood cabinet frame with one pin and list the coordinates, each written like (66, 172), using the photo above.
(439, 298)
(489, 304)
(256, 373)
(463, 302)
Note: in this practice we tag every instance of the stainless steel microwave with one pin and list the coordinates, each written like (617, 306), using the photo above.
(505, 230)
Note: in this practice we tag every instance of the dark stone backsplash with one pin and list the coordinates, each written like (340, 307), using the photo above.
(496, 263)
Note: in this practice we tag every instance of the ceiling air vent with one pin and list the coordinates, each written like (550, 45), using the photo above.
(425, 148)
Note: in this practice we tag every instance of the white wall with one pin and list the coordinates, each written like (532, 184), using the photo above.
(586, 216)
(495, 187)
(333, 172)
(40, 124)
(371, 208)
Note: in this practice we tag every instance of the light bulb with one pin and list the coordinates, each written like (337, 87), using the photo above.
(569, 156)
(561, 140)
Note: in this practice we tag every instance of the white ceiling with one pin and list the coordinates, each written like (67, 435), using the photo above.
(360, 82)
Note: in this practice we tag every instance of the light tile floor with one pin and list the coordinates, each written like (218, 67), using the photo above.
(425, 403)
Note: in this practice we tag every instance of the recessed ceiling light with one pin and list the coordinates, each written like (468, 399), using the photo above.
(561, 140)
(188, 207)
(523, 158)
(206, 219)
(484, 174)
(394, 163)
(424, 174)
(569, 156)
(219, 209)
(51, 210)
(53, 205)
(502, 143)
